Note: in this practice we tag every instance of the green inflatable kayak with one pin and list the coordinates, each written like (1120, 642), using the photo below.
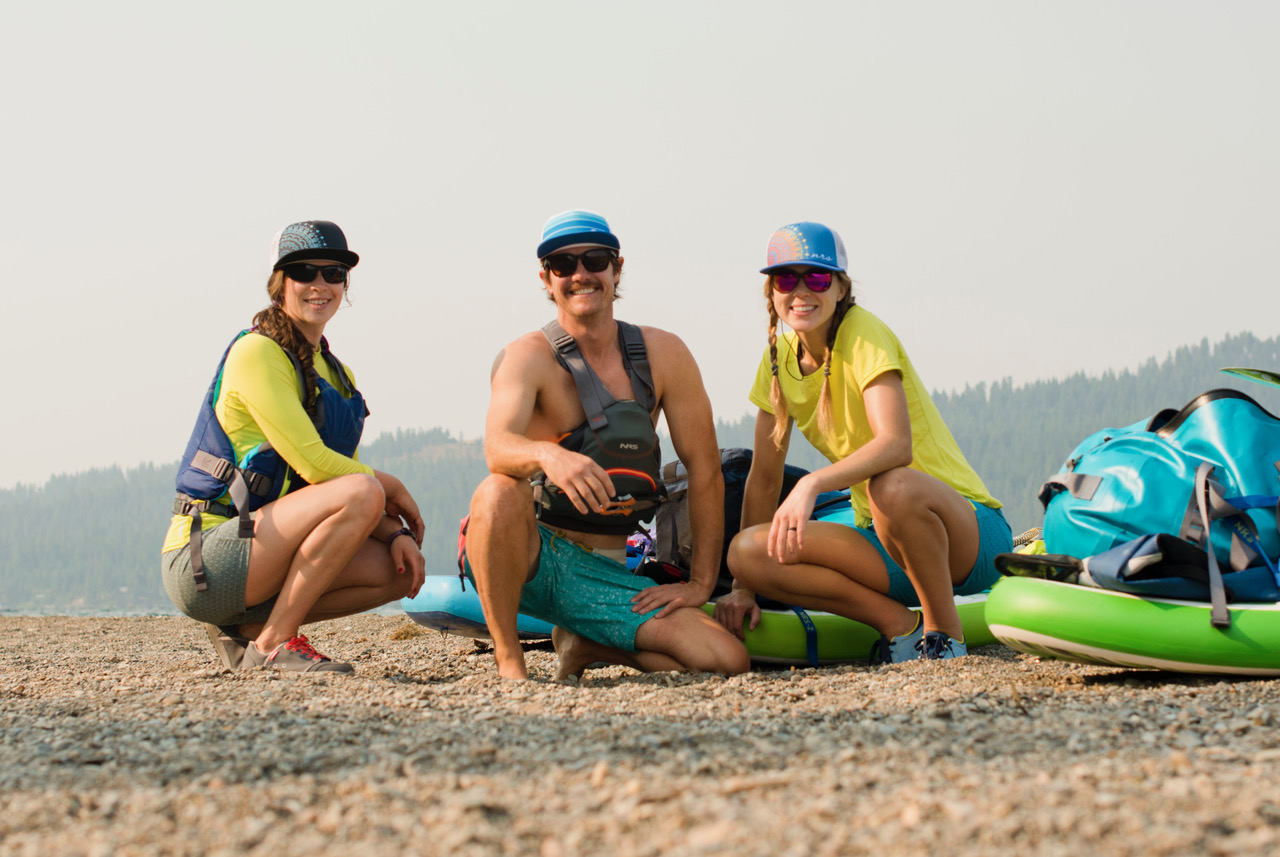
(1098, 626)
(782, 640)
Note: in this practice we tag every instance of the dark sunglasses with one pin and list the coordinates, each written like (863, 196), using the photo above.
(304, 273)
(566, 264)
(814, 281)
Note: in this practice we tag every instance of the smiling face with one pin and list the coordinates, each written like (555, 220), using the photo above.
(807, 312)
(583, 293)
(311, 305)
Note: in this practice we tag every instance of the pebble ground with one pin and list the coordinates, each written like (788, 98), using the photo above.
(126, 737)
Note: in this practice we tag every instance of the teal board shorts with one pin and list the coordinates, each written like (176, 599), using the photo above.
(994, 536)
(583, 592)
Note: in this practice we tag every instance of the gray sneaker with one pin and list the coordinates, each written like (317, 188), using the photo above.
(228, 644)
(938, 646)
(295, 655)
(896, 650)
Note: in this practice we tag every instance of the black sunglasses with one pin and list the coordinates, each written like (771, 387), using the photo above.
(304, 273)
(786, 280)
(566, 264)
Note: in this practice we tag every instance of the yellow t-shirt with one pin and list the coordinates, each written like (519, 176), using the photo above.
(865, 348)
(261, 400)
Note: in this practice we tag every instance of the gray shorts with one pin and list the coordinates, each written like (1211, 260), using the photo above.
(226, 566)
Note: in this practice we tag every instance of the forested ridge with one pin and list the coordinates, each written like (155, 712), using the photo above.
(91, 541)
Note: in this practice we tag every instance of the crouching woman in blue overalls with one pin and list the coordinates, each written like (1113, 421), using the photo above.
(277, 524)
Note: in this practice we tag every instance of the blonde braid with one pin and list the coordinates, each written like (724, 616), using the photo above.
(776, 400)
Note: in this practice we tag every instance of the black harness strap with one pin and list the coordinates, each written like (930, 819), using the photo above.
(591, 390)
(636, 358)
(338, 370)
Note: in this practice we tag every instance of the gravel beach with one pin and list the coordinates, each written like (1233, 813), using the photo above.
(125, 736)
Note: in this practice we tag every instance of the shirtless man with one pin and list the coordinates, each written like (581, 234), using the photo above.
(567, 566)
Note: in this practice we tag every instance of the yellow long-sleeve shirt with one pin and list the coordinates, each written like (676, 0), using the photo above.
(260, 399)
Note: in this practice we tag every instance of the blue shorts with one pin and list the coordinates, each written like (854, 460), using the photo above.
(583, 592)
(994, 536)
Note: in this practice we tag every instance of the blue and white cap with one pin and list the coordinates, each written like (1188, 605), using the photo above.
(575, 226)
(311, 239)
(806, 243)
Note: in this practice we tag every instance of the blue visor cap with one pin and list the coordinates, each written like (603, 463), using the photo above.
(311, 239)
(806, 243)
(575, 227)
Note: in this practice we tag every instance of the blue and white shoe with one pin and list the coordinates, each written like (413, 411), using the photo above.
(938, 646)
(897, 650)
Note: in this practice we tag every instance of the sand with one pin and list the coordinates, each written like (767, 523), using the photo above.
(125, 736)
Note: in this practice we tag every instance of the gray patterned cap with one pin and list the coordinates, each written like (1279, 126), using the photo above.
(311, 239)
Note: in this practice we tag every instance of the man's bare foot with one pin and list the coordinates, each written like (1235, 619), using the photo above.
(513, 670)
(576, 653)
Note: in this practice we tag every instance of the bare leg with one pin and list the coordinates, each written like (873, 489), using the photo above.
(837, 571)
(503, 547)
(303, 543)
(686, 640)
(369, 580)
(932, 532)
(577, 653)
(696, 641)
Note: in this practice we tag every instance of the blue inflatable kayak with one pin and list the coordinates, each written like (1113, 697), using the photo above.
(442, 605)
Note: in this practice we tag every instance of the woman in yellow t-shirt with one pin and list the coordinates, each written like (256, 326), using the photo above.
(926, 527)
(272, 465)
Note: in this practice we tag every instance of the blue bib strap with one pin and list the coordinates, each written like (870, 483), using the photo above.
(810, 634)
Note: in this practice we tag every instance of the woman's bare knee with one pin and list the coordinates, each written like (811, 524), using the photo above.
(364, 497)
(746, 553)
(894, 492)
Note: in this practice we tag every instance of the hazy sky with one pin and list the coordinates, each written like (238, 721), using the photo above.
(1025, 189)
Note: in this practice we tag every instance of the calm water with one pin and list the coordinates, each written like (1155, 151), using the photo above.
(385, 610)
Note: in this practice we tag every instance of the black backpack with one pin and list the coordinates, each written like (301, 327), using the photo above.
(672, 541)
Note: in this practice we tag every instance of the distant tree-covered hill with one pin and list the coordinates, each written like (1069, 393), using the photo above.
(91, 541)
(1015, 437)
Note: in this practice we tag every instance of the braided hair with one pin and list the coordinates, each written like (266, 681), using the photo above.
(777, 401)
(274, 323)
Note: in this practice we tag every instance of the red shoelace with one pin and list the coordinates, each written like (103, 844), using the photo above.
(300, 645)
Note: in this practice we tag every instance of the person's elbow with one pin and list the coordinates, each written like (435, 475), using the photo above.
(898, 451)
